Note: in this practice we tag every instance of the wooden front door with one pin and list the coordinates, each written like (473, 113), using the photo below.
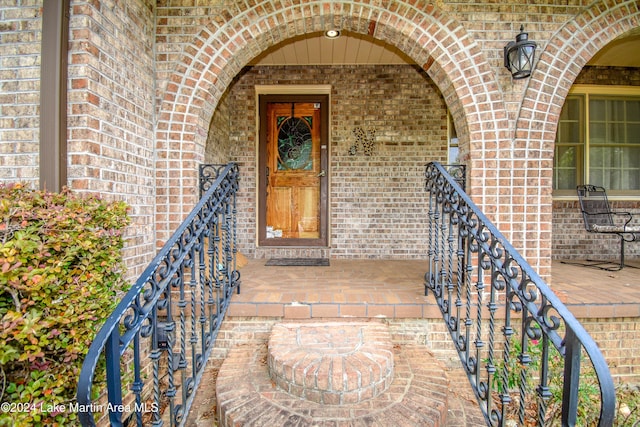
(293, 174)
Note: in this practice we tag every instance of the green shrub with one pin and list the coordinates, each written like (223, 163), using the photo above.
(61, 270)
(627, 413)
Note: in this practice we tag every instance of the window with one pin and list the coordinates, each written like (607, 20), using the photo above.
(598, 141)
(294, 142)
(454, 149)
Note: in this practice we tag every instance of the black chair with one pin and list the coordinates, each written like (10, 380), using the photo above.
(599, 218)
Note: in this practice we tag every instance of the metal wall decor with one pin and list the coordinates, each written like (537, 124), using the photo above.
(363, 140)
(515, 338)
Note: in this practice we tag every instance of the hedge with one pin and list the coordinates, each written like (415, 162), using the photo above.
(61, 272)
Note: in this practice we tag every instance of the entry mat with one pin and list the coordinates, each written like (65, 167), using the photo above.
(298, 262)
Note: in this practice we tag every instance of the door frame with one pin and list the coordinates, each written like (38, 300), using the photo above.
(276, 93)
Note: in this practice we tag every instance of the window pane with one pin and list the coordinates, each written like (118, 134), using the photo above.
(615, 168)
(629, 172)
(568, 156)
(566, 170)
(570, 131)
(614, 142)
(596, 166)
(571, 109)
(565, 180)
(633, 134)
(616, 134)
(633, 168)
(633, 111)
(598, 133)
(598, 110)
(616, 109)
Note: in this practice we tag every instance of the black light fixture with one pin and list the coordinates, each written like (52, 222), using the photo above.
(332, 34)
(519, 55)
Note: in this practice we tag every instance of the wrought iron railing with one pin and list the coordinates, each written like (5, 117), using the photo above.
(528, 359)
(154, 347)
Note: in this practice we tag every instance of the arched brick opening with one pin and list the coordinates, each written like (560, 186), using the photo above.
(437, 42)
(560, 62)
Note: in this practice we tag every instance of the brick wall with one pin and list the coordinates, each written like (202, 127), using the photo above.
(219, 143)
(619, 341)
(20, 35)
(131, 60)
(110, 107)
(572, 241)
(617, 76)
(506, 127)
(617, 338)
(377, 202)
(110, 139)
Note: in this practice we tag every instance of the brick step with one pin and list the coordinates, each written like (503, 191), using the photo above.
(331, 363)
(350, 375)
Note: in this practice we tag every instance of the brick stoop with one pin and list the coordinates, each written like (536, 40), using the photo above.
(401, 385)
(331, 363)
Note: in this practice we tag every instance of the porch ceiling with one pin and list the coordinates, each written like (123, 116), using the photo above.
(316, 49)
(351, 49)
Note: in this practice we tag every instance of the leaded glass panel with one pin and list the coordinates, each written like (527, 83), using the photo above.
(295, 144)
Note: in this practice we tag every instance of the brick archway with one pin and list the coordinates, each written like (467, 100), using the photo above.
(437, 42)
(563, 58)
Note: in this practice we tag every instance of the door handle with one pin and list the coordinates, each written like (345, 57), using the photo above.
(322, 173)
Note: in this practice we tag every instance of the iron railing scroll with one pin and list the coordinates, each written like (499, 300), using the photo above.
(156, 343)
(458, 172)
(528, 360)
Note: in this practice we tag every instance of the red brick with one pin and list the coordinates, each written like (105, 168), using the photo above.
(297, 311)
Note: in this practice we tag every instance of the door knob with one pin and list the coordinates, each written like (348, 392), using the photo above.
(322, 173)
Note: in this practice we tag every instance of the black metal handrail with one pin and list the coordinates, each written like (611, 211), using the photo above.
(518, 343)
(156, 343)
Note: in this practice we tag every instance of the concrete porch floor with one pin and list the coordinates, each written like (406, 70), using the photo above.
(394, 289)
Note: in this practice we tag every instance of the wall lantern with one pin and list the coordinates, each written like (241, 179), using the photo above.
(519, 55)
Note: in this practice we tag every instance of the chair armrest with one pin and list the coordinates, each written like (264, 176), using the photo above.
(617, 229)
(628, 216)
(599, 213)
